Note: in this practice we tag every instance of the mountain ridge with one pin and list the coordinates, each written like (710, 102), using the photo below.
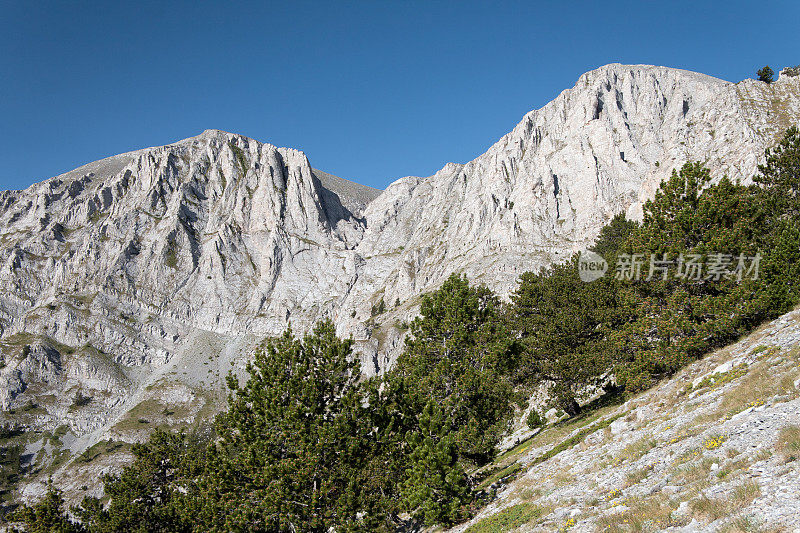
(154, 272)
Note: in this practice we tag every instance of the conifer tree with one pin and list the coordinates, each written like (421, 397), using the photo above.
(459, 354)
(765, 74)
(436, 489)
(290, 450)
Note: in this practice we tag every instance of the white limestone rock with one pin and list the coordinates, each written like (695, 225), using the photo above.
(147, 262)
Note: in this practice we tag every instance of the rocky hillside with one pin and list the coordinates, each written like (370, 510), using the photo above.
(716, 448)
(132, 284)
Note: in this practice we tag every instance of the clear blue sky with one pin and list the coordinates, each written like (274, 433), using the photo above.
(371, 91)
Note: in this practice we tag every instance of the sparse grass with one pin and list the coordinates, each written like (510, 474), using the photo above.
(637, 476)
(171, 256)
(762, 455)
(732, 468)
(152, 412)
(95, 217)
(32, 408)
(573, 440)
(85, 299)
(635, 451)
(140, 415)
(516, 450)
(508, 519)
(744, 494)
(683, 434)
(241, 160)
(510, 470)
(103, 447)
(558, 432)
(643, 515)
(531, 494)
(789, 443)
(715, 508)
(640, 448)
(563, 478)
(751, 391)
(717, 380)
(758, 349)
(59, 458)
(746, 524)
(710, 508)
(19, 339)
(694, 472)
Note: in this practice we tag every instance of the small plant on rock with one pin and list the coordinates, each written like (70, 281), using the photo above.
(792, 71)
(534, 419)
(80, 399)
(765, 74)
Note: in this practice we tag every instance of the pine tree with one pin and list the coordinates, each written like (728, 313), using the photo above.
(291, 442)
(459, 353)
(564, 324)
(436, 488)
(780, 174)
(151, 493)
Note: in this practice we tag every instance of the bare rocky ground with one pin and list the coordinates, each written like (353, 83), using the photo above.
(715, 448)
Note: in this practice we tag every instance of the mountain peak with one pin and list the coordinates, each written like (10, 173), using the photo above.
(622, 69)
(162, 267)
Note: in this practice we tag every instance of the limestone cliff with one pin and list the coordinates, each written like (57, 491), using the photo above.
(144, 277)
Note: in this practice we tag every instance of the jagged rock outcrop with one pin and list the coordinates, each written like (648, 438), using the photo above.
(167, 264)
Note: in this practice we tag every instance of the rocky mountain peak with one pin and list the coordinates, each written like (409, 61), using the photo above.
(162, 267)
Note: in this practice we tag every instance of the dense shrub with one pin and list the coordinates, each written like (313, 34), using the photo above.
(534, 419)
(792, 71)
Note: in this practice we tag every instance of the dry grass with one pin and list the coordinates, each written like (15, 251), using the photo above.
(637, 476)
(715, 381)
(744, 494)
(762, 455)
(746, 524)
(509, 518)
(732, 469)
(559, 432)
(511, 470)
(563, 478)
(715, 508)
(644, 515)
(695, 472)
(760, 384)
(751, 391)
(710, 508)
(528, 494)
(789, 443)
(533, 489)
(636, 450)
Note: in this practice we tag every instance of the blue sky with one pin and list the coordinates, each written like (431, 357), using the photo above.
(371, 91)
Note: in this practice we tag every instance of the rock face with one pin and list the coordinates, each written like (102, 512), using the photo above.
(166, 264)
